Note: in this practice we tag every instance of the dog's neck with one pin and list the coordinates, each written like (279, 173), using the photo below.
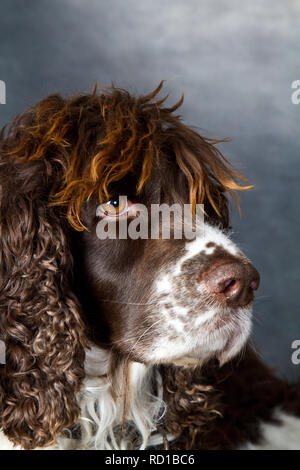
(121, 403)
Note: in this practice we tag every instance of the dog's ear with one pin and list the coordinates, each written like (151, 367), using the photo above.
(40, 319)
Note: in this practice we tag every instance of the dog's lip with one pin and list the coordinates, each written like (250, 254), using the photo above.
(224, 315)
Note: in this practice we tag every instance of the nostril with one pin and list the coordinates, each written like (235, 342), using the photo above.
(229, 283)
(232, 290)
(230, 287)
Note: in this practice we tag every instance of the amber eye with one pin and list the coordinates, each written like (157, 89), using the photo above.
(115, 207)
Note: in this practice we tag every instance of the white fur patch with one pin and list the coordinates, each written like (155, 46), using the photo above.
(211, 234)
(283, 436)
(102, 410)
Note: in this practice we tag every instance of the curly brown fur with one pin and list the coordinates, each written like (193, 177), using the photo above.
(213, 408)
(40, 320)
(192, 403)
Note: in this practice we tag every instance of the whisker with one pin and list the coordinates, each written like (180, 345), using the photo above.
(131, 338)
(262, 297)
(254, 347)
(141, 336)
(257, 320)
(127, 303)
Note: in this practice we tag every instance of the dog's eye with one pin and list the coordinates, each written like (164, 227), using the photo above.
(115, 207)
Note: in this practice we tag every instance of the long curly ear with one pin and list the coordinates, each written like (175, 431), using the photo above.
(40, 321)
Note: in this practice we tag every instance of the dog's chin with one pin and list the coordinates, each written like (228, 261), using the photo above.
(231, 349)
(222, 344)
(223, 356)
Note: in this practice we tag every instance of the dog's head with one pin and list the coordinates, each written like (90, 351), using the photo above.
(68, 165)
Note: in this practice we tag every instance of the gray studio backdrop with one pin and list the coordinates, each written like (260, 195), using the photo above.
(235, 62)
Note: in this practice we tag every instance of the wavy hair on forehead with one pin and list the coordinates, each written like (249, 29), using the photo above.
(97, 139)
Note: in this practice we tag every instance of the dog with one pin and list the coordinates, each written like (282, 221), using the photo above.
(127, 342)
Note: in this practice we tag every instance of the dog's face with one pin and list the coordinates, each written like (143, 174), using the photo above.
(164, 300)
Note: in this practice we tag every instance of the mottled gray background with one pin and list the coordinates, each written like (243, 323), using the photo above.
(235, 62)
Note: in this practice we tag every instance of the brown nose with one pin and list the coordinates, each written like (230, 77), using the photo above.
(232, 283)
